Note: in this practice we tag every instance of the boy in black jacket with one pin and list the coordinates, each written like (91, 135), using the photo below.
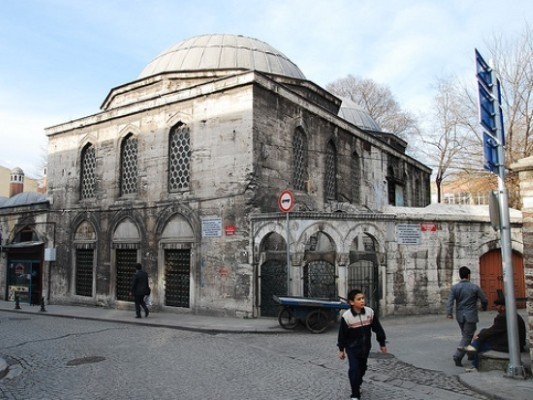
(355, 333)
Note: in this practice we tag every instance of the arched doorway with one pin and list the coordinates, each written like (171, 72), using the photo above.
(363, 269)
(273, 273)
(320, 279)
(177, 241)
(126, 245)
(491, 276)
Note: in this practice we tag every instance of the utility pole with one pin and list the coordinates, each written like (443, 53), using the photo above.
(491, 119)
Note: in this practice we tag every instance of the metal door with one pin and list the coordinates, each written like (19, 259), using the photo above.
(273, 282)
(177, 277)
(126, 260)
(363, 275)
(84, 272)
(320, 280)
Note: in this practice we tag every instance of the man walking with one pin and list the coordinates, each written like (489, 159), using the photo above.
(139, 289)
(465, 294)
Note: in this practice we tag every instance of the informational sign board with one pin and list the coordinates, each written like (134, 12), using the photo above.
(408, 234)
(211, 227)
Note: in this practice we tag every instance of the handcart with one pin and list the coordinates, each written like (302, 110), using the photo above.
(316, 314)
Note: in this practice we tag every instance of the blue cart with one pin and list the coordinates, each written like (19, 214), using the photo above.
(316, 314)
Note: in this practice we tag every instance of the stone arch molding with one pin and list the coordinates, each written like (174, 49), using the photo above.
(496, 244)
(85, 140)
(174, 211)
(126, 230)
(177, 228)
(128, 129)
(369, 229)
(267, 229)
(316, 227)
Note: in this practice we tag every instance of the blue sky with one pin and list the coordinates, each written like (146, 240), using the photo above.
(60, 58)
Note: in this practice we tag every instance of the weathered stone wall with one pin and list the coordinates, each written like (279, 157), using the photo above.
(524, 168)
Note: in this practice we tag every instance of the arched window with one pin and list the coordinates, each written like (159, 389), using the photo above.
(299, 146)
(331, 172)
(128, 165)
(88, 172)
(356, 178)
(179, 158)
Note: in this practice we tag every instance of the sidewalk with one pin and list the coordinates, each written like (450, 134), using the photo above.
(493, 384)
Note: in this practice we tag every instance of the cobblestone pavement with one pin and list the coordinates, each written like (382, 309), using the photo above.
(57, 358)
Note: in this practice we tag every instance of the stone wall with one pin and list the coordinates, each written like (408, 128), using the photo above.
(524, 168)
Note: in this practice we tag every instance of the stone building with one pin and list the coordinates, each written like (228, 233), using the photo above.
(24, 235)
(182, 170)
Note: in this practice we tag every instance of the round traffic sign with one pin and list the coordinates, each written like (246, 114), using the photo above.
(286, 201)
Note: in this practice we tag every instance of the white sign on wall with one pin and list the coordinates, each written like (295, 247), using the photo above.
(212, 227)
(408, 234)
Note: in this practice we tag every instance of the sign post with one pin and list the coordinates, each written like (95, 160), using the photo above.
(286, 203)
(491, 119)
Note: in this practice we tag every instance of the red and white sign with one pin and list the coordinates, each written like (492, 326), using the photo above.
(428, 227)
(286, 201)
(230, 230)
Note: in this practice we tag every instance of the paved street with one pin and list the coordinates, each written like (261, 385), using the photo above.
(62, 358)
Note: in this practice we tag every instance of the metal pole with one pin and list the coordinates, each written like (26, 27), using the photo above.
(288, 257)
(515, 367)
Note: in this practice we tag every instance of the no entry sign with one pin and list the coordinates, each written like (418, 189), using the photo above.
(286, 201)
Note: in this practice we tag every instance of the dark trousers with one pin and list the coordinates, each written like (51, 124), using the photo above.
(357, 369)
(139, 302)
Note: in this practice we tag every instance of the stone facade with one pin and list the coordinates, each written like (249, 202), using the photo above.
(182, 170)
(524, 168)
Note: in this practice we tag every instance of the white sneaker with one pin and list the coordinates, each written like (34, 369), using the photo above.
(470, 349)
(471, 369)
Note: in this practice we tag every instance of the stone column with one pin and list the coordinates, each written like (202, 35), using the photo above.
(524, 167)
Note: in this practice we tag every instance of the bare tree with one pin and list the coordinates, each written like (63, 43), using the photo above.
(449, 142)
(455, 143)
(513, 62)
(378, 101)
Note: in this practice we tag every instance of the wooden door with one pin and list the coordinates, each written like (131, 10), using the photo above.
(491, 274)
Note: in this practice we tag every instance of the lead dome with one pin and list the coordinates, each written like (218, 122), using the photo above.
(208, 52)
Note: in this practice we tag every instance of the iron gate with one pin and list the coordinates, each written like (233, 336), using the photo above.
(126, 260)
(177, 277)
(319, 280)
(363, 274)
(273, 282)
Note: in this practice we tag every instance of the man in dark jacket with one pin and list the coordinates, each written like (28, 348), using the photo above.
(466, 295)
(354, 341)
(139, 289)
(495, 337)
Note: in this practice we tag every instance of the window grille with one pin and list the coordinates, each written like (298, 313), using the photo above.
(84, 272)
(356, 179)
(331, 172)
(299, 144)
(179, 160)
(88, 172)
(128, 163)
(125, 262)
